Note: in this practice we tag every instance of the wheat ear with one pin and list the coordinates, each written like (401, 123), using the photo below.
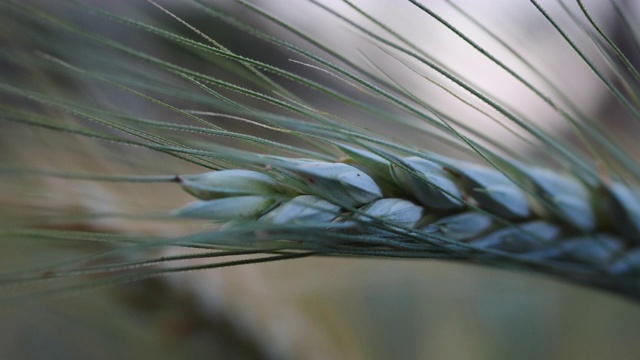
(432, 207)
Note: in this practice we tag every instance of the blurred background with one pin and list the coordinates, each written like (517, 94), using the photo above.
(311, 308)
